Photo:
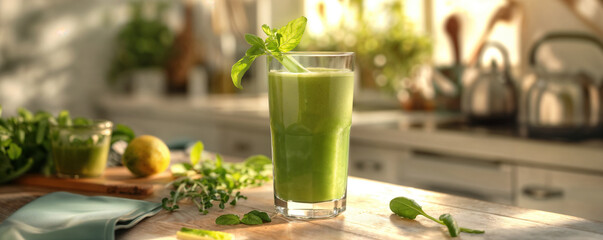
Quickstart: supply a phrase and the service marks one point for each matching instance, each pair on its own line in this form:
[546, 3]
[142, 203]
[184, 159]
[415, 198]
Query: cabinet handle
[542, 192]
[377, 166]
[241, 147]
[359, 165]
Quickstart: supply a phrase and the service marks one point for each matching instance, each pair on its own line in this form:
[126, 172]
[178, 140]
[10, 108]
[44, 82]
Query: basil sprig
[279, 41]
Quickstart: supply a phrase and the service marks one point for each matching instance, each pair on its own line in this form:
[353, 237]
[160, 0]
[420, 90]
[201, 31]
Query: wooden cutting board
[116, 180]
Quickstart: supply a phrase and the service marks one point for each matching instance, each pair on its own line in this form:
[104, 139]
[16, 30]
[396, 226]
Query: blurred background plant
[387, 45]
[144, 41]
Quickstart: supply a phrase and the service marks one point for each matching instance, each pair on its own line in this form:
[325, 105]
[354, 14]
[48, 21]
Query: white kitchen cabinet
[479, 179]
[244, 142]
[574, 193]
[374, 162]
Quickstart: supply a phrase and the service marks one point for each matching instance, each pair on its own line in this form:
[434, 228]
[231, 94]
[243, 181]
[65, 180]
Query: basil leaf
[452, 226]
[292, 34]
[228, 219]
[255, 51]
[196, 152]
[266, 30]
[405, 207]
[239, 69]
[251, 219]
[254, 40]
[262, 215]
[272, 44]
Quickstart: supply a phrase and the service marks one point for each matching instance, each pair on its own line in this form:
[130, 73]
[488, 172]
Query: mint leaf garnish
[251, 219]
[278, 42]
[228, 219]
[408, 208]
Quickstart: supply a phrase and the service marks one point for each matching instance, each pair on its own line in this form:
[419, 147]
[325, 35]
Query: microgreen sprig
[206, 182]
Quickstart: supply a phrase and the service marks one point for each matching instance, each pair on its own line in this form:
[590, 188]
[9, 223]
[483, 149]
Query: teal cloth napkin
[62, 215]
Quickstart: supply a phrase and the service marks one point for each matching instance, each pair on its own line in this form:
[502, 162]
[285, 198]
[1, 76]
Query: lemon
[146, 155]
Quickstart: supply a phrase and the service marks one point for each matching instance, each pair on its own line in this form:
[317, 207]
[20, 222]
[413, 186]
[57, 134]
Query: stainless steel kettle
[562, 104]
[491, 97]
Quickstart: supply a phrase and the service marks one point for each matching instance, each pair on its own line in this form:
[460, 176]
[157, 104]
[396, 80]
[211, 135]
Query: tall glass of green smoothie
[310, 119]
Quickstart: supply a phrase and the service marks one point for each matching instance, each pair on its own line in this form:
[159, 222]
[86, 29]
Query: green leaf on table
[468, 230]
[228, 219]
[292, 34]
[262, 215]
[196, 152]
[14, 151]
[251, 219]
[451, 224]
[406, 208]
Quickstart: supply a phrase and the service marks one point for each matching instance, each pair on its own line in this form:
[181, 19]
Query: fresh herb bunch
[408, 208]
[279, 41]
[25, 141]
[205, 181]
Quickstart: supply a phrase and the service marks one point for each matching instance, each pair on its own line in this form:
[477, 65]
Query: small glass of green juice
[310, 120]
[80, 150]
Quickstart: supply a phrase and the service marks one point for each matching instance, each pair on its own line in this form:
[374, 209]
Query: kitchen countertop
[367, 216]
[384, 128]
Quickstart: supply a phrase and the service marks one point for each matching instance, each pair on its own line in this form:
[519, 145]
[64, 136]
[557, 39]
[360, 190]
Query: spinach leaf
[408, 208]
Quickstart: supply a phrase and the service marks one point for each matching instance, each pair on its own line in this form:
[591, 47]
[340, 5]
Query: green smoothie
[81, 159]
[310, 119]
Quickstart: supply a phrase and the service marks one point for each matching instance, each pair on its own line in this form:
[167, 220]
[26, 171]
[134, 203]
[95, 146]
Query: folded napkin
[62, 215]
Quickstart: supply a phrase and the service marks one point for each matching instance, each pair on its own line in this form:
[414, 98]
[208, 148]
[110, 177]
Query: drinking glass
[81, 150]
[310, 119]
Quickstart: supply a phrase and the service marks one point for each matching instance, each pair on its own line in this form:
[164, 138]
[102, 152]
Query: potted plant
[386, 54]
[142, 47]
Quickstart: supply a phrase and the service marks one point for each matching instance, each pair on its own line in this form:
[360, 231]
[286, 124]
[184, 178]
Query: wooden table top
[367, 217]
